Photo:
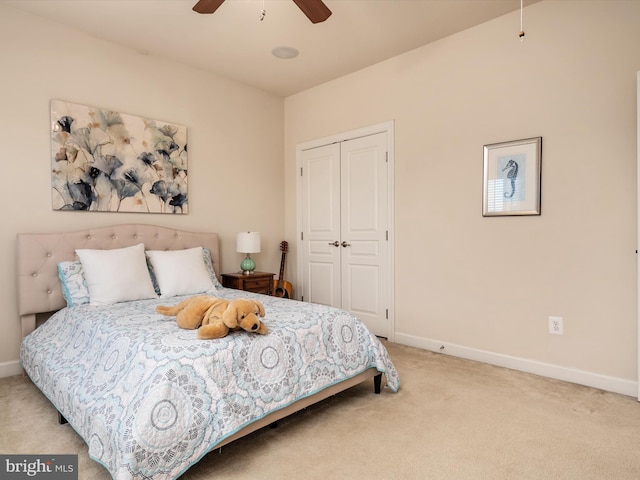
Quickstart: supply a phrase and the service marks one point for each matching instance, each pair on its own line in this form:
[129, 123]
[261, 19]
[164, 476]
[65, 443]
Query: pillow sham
[208, 262]
[74, 285]
[117, 275]
[206, 254]
[180, 272]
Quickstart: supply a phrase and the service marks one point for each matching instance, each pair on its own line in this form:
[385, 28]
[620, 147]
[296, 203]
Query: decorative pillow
[152, 274]
[117, 275]
[74, 286]
[206, 254]
[180, 272]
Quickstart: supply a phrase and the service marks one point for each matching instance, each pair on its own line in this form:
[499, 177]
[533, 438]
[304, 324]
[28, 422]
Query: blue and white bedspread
[151, 399]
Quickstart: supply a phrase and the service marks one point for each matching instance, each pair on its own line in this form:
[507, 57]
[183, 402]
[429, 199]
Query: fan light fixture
[315, 10]
[285, 53]
[248, 242]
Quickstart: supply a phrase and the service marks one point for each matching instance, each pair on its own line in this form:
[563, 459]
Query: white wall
[41, 61]
[484, 287]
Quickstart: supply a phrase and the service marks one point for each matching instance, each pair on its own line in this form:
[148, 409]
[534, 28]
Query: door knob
[345, 244]
[335, 244]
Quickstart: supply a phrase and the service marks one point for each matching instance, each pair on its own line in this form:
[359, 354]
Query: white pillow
[117, 275]
[180, 272]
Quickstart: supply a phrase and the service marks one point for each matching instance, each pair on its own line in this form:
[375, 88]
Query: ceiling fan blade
[315, 10]
[207, 6]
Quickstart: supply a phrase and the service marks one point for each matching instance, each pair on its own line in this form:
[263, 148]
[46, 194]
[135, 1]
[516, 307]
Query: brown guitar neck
[281, 275]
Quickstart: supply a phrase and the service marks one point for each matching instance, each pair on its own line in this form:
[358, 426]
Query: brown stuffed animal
[214, 317]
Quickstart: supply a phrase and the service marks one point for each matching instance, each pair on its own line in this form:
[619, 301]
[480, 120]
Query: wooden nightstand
[257, 282]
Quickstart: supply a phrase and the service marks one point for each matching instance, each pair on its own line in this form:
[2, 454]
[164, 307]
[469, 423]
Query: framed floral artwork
[106, 161]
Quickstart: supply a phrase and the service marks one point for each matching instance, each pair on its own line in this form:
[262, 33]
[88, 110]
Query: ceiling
[235, 43]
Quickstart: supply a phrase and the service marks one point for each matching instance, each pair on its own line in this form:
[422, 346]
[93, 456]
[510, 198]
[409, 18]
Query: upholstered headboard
[38, 254]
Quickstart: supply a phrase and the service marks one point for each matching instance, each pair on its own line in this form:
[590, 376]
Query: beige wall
[235, 143]
[484, 287]
[489, 283]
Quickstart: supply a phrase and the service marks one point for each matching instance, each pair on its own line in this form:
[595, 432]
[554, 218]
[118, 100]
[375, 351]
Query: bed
[149, 398]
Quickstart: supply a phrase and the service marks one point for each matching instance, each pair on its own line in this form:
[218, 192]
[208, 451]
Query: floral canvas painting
[106, 161]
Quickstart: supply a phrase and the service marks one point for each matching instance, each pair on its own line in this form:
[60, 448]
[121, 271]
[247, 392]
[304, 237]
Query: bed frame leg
[377, 381]
[61, 419]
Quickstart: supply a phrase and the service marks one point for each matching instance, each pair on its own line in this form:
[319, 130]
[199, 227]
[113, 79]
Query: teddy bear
[215, 317]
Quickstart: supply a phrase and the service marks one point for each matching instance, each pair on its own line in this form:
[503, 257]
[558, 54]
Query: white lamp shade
[248, 242]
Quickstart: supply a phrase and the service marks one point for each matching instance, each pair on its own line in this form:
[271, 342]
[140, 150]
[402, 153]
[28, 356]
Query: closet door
[321, 225]
[363, 238]
[345, 260]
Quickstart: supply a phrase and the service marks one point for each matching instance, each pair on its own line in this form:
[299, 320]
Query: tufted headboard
[38, 254]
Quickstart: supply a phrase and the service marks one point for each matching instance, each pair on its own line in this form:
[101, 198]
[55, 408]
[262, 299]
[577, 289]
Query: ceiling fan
[315, 10]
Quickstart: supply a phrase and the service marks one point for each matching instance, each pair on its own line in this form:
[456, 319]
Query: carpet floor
[452, 419]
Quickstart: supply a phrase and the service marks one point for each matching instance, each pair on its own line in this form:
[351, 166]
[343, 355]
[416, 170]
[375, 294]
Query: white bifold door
[345, 228]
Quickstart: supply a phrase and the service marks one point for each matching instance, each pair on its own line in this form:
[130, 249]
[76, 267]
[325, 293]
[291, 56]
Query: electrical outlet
[556, 326]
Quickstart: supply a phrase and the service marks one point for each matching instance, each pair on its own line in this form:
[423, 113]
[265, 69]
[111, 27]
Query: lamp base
[248, 265]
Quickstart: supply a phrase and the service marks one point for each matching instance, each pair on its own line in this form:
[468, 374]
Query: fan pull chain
[521, 34]
[263, 12]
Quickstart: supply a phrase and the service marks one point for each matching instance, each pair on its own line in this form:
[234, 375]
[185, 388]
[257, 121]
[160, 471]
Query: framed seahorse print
[512, 177]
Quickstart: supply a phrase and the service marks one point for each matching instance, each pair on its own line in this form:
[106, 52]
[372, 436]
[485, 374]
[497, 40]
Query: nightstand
[257, 282]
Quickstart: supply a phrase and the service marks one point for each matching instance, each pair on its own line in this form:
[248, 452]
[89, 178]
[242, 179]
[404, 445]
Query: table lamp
[248, 242]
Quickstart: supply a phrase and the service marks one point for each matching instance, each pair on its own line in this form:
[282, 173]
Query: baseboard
[9, 369]
[581, 377]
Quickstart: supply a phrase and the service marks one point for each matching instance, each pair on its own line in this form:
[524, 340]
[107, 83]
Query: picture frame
[512, 178]
[103, 160]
